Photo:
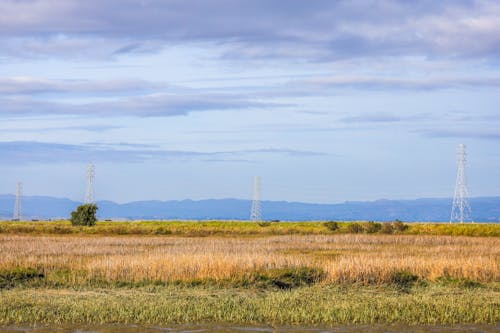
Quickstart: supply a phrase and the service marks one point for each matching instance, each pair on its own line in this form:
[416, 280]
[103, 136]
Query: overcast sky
[327, 101]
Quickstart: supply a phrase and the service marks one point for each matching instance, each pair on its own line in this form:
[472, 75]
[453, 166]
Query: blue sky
[327, 101]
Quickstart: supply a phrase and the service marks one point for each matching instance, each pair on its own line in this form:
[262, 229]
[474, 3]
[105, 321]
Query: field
[236, 272]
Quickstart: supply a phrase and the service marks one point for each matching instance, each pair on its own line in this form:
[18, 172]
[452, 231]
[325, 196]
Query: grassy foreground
[306, 306]
[157, 273]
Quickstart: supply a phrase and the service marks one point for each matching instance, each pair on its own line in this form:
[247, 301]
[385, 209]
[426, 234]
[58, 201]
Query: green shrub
[399, 226]
[354, 228]
[162, 231]
[84, 215]
[387, 228]
[332, 225]
[372, 227]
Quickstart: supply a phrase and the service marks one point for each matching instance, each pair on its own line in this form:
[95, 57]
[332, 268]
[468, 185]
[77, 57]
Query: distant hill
[485, 209]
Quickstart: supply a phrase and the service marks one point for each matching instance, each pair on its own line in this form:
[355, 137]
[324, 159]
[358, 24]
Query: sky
[326, 101]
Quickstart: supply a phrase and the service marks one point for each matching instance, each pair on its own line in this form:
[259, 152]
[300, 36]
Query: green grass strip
[307, 306]
[236, 228]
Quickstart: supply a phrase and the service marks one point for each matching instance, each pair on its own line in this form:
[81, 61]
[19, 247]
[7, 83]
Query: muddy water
[246, 329]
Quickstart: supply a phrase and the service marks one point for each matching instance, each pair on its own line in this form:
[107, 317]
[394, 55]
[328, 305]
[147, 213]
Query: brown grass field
[244, 273]
[343, 258]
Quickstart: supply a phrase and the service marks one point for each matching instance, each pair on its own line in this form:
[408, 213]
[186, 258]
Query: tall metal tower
[461, 209]
[89, 193]
[256, 213]
[18, 209]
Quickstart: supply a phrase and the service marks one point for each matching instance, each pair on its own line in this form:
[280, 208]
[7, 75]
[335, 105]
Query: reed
[329, 278]
[70, 260]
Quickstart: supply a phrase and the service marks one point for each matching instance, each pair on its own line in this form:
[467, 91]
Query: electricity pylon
[461, 210]
[89, 193]
[256, 213]
[18, 208]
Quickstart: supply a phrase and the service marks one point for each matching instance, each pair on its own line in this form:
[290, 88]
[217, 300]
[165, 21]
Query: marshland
[312, 274]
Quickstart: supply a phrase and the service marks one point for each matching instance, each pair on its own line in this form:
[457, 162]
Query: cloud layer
[319, 92]
[29, 152]
[298, 32]
[320, 30]
[150, 105]
[21, 96]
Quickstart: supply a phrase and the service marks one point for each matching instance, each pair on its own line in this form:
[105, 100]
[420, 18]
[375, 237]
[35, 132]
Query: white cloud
[25, 152]
[319, 30]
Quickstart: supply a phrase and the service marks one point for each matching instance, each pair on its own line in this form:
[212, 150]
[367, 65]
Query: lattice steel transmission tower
[89, 193]
[18, 208]
[461, 210]
[256, 213]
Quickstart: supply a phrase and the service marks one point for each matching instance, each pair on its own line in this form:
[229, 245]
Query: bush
[84, 215]
[354, 228]
[331, 225]
[387, 228]
[372, 227]
[162, 231]
[399, 226]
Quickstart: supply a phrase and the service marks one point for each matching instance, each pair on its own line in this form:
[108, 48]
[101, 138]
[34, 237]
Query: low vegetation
[239, 228]
[15, 277]
[365, 259]
[320, 273]
[304, 306]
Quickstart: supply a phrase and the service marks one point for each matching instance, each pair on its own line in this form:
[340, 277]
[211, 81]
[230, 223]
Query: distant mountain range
[486, 209]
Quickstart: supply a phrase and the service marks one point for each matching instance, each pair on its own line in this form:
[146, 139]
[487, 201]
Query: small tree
[332, 225]
[399, 226]
[372, 227]
[84, 215]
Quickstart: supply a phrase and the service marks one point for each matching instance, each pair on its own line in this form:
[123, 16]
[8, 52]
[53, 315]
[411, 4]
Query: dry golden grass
[347, 258]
